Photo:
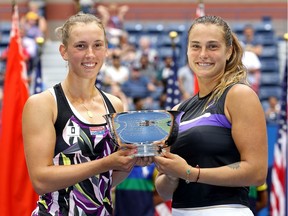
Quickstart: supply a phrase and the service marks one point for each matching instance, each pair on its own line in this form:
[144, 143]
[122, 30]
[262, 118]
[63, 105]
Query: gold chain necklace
[89, 113]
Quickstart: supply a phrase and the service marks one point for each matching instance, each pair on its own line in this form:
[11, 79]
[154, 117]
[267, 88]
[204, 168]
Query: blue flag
[38, 83]
[172, 89]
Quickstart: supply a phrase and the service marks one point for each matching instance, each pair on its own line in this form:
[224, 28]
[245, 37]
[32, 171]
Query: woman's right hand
[124, 158]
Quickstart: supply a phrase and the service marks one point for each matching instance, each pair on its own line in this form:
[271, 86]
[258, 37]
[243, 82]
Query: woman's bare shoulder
[116, 102]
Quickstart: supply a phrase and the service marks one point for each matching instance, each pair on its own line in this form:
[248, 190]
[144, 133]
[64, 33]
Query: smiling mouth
[204, 64]
[89, 65]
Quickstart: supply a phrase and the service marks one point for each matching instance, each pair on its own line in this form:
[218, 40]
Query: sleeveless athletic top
[78, 142]
[205, 139]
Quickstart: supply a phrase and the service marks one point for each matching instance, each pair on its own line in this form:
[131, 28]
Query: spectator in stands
[71, 159]
[30, 46]
[258, 198]
[116, 90]
[87, 6]
[185, 82]
[253, 65]
[30, 50]
[117, 72]
[250, 42]
[35, 17]
[145, 48]
[113, 17]
[273, 110]
[134, 196]
[29, 53]
[139, 103]
[147, 68]
[32, 25]
[139, 86]
[221, 148]
[128, 50]
[38, 6]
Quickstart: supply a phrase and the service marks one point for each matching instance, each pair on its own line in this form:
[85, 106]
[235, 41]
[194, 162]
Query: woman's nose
[203, 53]
[89, 51]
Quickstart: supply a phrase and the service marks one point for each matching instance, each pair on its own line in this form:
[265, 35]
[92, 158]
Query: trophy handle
[111, 126]
[176, 118]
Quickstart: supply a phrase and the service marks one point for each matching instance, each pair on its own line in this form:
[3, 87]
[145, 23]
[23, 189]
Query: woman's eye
[80, 46]
[212, 46]
[98, 45]
[195, 46]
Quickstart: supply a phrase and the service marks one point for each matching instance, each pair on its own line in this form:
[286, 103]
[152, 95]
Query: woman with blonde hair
[222, 140]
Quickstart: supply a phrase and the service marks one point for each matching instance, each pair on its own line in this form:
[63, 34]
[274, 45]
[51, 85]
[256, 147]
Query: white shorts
[219, 210]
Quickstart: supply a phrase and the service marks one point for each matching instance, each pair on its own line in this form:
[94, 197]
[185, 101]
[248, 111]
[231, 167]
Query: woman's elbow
[39, 187]
[261, 176]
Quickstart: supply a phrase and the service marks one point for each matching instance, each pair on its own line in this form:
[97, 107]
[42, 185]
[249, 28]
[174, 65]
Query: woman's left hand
[170, 164]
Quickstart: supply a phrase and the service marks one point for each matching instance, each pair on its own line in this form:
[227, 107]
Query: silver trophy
[149, 130]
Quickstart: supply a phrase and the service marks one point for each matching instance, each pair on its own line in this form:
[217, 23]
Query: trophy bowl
[149, 130]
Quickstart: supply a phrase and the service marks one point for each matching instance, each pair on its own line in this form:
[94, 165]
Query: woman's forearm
[166, 185]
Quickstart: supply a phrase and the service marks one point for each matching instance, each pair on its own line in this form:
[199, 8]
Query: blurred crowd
[137, 74]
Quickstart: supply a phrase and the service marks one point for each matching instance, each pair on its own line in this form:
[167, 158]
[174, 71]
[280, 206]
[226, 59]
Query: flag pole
[13, 6]
[173, 35]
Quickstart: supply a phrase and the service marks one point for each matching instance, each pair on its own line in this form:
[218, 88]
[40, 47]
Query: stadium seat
[165, 40]
[154, 28]
[240, 36]
[4, 40]
[266, 91]
[167, 51]
[180, 28]
[133, 39]
[263, 27]
[132, 27]
[270, 65]
[5, 27]
[266, 38]
[265, 104]
[270, 79]
[238, 28]
[269, 51]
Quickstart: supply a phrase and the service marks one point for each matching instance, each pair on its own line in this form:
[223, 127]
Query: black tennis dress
[79, 142]
[205, 139]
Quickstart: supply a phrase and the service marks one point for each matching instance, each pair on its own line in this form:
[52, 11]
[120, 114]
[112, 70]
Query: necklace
[89, 113]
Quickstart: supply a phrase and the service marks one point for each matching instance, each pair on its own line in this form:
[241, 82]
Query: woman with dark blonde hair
[221, 148]
[71, 158]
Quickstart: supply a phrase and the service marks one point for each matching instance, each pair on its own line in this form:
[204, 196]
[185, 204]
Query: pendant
[90, 114]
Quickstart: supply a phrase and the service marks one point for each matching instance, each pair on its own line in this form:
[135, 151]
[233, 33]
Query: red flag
[200, 11]
[17, 196]
[278, 195]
